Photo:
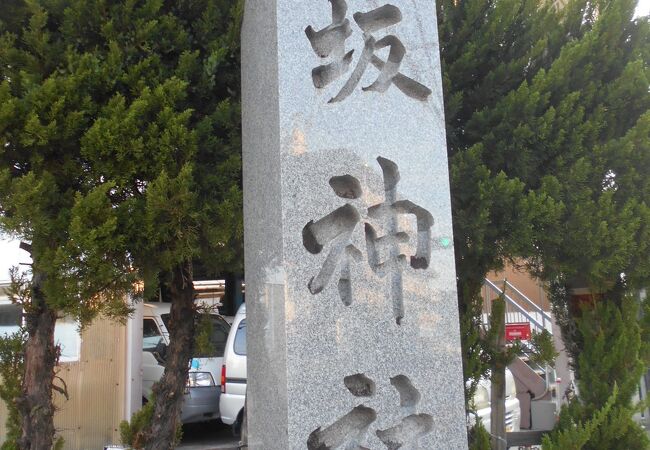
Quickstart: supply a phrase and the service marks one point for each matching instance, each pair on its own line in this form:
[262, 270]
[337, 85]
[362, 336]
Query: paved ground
[208, 436]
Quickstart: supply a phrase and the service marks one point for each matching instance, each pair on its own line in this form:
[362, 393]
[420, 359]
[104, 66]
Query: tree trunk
[498, 408]
[470, 304]
[498, 378]
[232, 298]
[35, 403]
[168, 392]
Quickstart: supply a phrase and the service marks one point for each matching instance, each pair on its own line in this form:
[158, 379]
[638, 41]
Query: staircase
[534, 383]
[519, 308]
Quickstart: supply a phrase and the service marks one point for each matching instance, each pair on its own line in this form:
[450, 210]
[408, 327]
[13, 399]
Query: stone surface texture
[352, 343]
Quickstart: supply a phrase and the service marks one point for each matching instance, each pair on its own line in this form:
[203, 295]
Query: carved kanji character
[330, 43]
[388, 212]
[384, 256]
[350, 431]
[335, 230]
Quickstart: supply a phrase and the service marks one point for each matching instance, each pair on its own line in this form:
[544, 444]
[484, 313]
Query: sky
[11, 255]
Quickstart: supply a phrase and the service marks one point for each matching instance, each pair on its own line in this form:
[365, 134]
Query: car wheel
[236, 426]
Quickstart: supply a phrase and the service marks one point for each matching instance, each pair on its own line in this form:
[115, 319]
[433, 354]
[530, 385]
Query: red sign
[518, 331]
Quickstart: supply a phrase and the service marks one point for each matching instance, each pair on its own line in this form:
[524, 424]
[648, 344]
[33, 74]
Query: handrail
[519, 309]
[529, 301]
[535, 307]
[526, 299]
[516, 305]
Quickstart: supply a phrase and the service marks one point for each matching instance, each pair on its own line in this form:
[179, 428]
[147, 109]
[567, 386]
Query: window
[166, 319]
[217, 338]
[66, 331]
[10, 318]
[240, 339]
[151, 336]
[219, 330]
[66, 334]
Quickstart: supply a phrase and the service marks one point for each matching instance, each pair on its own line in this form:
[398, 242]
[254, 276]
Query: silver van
[201, 397]
[233, 373]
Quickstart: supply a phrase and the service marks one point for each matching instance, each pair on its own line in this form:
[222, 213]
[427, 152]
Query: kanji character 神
[336, 228]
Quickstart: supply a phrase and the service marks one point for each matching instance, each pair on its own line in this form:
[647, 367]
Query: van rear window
[218, 330]
[240, 339]
[218, 334]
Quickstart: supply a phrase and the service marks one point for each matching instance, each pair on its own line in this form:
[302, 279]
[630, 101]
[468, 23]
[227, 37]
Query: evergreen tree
[549, 140]
[575, 436]
[613, 354]
[46, 102]
[120, 150]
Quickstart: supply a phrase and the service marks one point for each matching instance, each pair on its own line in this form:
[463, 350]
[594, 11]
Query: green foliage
[119, 142]
[572, 435]
[542, 349]
[560, 300]
[131, 431]
[11, 369]
[612, 354]
[59, 444]
[475, 358]
[548, 140]
[479, 437]
[499, 354]
[202, 333]
[49, 96]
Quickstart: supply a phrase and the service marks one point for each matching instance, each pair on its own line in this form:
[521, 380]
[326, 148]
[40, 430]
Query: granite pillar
[353, 335]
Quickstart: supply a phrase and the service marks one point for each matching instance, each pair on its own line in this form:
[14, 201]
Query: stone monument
[353, 334]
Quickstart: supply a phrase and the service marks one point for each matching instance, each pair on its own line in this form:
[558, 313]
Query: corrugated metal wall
[90, 419]
[96, 386]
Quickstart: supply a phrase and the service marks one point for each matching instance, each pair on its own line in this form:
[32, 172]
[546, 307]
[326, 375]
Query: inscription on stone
[350, 430]
[350, 273]
[336, 228]
[329, 43]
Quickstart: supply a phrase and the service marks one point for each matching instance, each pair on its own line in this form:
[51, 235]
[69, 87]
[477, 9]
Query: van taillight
[223, 379]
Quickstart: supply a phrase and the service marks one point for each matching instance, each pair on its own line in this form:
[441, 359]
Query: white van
[483, 409]
[233, 373]
[201, 399]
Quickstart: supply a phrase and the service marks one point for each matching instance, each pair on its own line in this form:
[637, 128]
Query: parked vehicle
[483, 409]
[233, 373]
[201, 397]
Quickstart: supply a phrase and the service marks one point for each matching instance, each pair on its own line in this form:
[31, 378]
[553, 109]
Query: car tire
[236, 426]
